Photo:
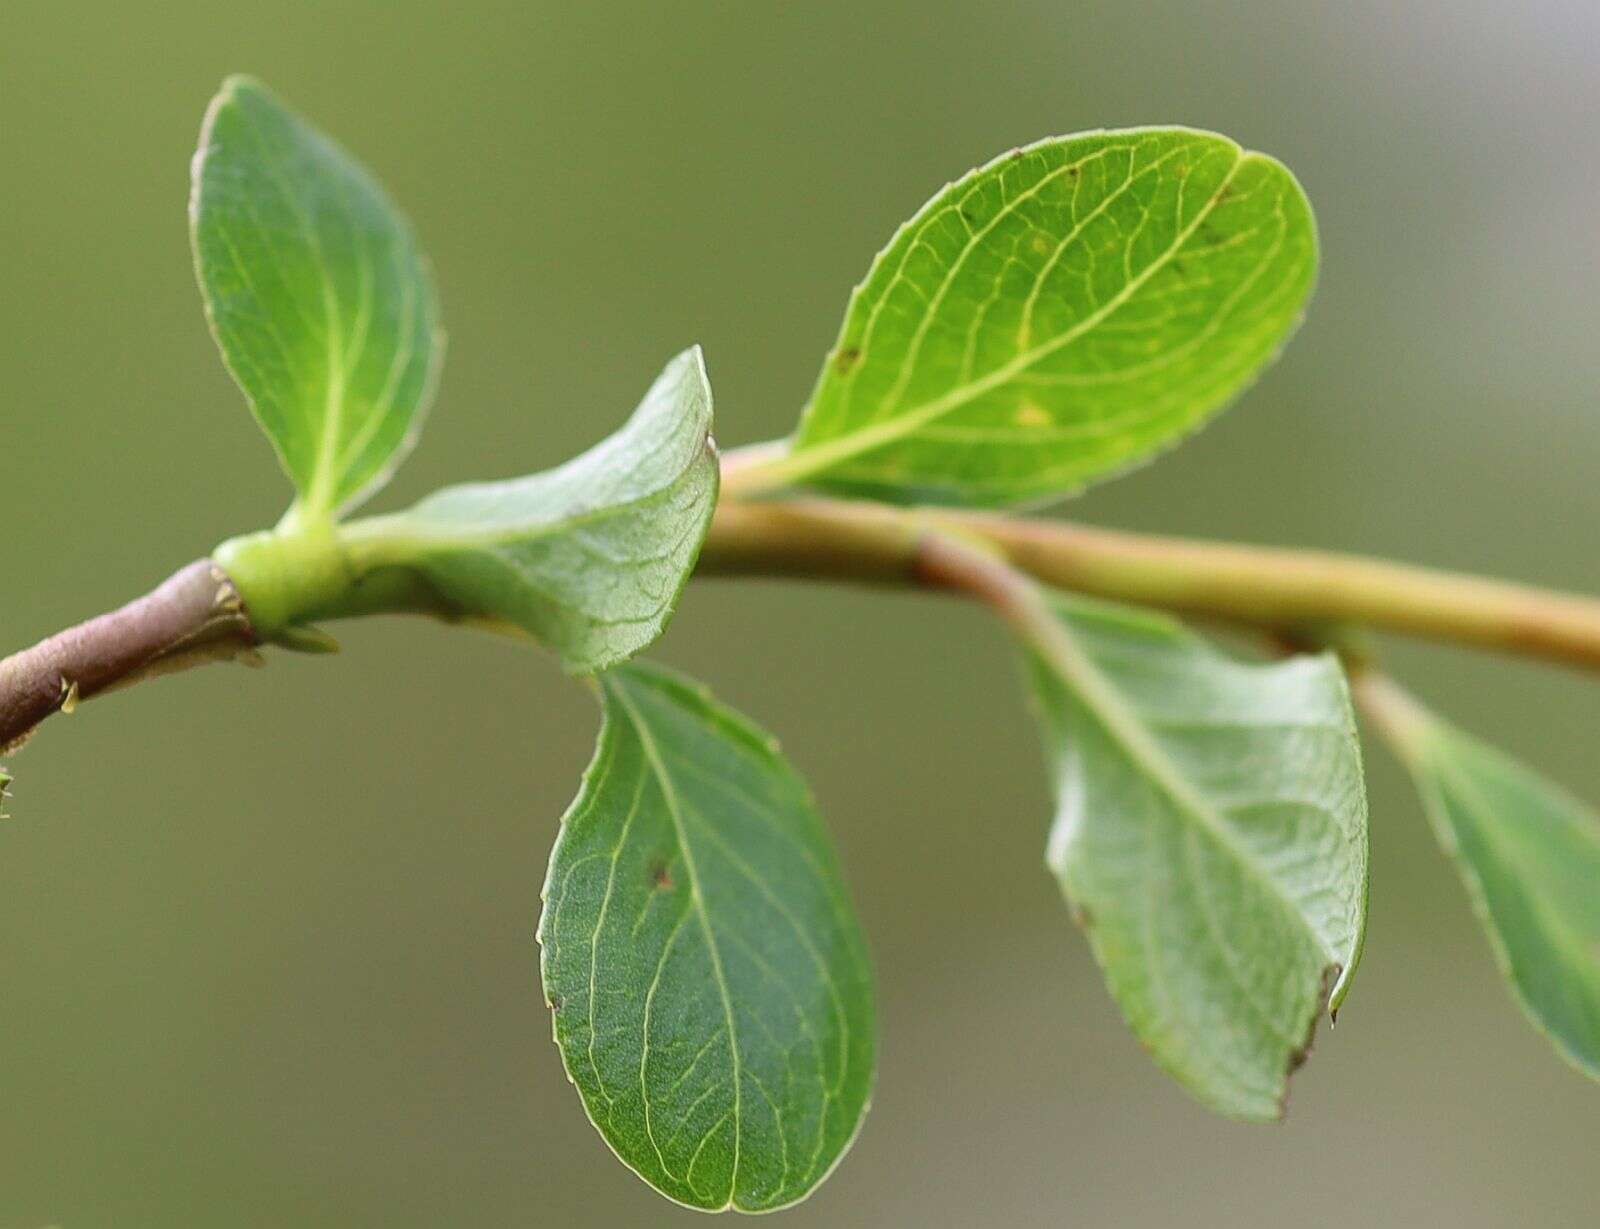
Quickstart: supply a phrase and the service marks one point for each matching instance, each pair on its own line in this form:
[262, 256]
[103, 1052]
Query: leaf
[1058, 316]
[589, 558]
[1211, 838]
[318, 297]
[1529, 854]
[712, 996]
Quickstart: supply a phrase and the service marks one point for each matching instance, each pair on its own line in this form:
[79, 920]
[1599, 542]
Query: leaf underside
[317, 294]
[1529, 854]
[712, 997]
[591, 557]
[1057, 316]
[1211, 838]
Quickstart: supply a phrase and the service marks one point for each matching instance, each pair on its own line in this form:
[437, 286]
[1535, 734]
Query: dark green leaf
[591, 557]
[319, 299]
[712, 997]
[1211, 838]
[1058, 316]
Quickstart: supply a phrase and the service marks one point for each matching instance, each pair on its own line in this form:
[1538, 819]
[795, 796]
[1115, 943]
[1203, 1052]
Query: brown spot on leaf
[555, 1002]
[660, 876]
[846, 359]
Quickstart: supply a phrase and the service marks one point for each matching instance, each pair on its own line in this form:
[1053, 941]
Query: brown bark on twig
[195, 616]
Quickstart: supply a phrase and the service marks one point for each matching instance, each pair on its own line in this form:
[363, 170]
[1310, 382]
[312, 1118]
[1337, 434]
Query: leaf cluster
[1067, 311]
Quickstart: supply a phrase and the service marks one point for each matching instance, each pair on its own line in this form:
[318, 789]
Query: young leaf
[319, 299]
[1058, 316]
[589, 558]
[1211, 838]
[712, 996]
[1529, 854]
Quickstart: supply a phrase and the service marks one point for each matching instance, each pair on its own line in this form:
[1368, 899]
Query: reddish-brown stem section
[945, 561]
[194, 615]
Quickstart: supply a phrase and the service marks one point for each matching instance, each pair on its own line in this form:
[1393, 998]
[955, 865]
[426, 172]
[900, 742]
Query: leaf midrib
[377, 542]
[320, 497]
[697, 903]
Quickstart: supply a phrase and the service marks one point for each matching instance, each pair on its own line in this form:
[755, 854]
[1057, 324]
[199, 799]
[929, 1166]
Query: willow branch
[1275, 590]
[197, 616]
[193, 617]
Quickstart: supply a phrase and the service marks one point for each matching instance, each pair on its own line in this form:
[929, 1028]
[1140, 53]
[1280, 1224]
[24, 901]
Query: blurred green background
[266, 939]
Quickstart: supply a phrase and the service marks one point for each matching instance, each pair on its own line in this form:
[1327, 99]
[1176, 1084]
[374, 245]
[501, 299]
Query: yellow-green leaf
[1057, 316]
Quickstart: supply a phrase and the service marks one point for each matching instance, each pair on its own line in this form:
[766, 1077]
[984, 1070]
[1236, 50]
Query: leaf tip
[234, 87]
[694, 360]
[237, 83]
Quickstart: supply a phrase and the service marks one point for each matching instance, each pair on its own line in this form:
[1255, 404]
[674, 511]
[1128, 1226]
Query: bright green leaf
[589, 558]
[319, 299]
[1211, 838]
[1058, 316]
[1529, 854]
[712, 996]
